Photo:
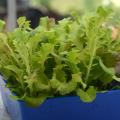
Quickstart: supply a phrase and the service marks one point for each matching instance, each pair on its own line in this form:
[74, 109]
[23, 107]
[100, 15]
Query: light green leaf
[44, 22]
[116, 78]
[61, 77]
[13, 97]
[77, 77]
[105, 12]
[87, 96]
[110, 71]
[45, 50]
[54, 82]
[21, 21]
[73, 56]
[35, 101]
[67, 87]
[2, 24]
[14, 69]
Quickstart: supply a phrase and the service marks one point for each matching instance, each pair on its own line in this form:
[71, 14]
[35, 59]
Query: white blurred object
[3, 113]
[106, 2]
[12, 15]
[116, 2]
[1, 102]
[2, 109]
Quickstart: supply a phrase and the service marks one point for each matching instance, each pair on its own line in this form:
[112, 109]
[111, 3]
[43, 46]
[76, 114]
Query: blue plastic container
[105, 107]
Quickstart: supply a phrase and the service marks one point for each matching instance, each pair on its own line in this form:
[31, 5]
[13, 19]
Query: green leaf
[21, 21]
[14, 69]
[71, 85]
[35, 101]
[67, 88]
[109, 59]
[54, 82]
[45, 50]
[105, 78]
[116, 78]
[87, 96]
[35, 84]
[61, 77]
[2, 24]
[109, 71]
[13, 97]
[23, 53]
[73, 56]
[77, 77]
[44, 22]
[102, 11]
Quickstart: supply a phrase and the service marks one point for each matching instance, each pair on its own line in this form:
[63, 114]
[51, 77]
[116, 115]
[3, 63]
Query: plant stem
[92, 55]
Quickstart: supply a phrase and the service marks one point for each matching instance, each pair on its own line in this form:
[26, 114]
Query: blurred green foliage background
[66, 6]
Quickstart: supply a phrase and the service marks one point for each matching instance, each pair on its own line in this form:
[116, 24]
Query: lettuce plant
[76, 56]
